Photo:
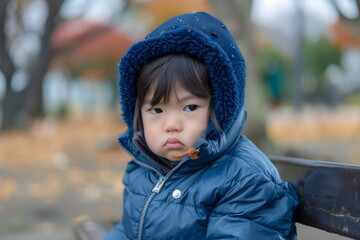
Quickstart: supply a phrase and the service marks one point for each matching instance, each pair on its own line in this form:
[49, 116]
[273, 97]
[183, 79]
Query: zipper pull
[159, 185]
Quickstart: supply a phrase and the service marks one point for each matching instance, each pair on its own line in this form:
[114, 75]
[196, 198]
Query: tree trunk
[7, 67]
[20, 107]
[34, 104]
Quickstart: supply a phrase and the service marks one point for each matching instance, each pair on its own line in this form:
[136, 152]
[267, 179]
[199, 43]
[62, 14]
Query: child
[193, 174]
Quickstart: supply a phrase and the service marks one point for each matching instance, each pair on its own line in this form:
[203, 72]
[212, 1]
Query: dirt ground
[59, 170]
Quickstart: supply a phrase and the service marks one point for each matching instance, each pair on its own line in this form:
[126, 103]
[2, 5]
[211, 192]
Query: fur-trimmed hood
[201, 35]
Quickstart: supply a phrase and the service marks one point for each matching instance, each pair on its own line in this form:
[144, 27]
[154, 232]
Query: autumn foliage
[162, 10]
[89, 49]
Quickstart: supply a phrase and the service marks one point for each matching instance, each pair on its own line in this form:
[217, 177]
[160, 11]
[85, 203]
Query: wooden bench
[329, 196]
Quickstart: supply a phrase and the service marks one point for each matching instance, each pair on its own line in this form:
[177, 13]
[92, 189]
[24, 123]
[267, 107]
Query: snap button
[176, 193]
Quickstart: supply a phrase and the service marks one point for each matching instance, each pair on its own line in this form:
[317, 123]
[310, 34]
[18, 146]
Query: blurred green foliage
[353, 99]
[318, 56]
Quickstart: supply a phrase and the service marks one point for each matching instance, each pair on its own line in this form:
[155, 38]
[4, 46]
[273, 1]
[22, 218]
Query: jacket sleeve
[254, 208]
[117, 232]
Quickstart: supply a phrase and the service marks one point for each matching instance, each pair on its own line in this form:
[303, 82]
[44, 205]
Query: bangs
[165, 73]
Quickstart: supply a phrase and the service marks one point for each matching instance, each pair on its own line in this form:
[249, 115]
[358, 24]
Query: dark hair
[164, 73]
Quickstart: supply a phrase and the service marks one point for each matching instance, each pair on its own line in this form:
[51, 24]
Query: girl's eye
[155, 110]
[190, 108]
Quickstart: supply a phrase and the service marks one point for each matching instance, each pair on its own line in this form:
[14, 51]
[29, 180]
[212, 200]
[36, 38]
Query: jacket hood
[201, 35]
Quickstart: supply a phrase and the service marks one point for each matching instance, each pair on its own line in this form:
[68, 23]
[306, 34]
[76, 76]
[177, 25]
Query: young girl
[194, 175]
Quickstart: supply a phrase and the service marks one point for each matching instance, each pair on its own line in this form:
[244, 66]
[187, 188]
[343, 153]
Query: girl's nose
[173, 124]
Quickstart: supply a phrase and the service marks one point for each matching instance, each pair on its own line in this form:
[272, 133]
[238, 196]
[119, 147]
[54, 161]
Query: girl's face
[172, 128]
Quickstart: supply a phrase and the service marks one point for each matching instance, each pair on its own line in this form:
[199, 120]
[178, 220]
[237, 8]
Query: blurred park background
[59, 112]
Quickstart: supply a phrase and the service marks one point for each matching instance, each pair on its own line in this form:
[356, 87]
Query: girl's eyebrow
[186, 97]
[147, 101]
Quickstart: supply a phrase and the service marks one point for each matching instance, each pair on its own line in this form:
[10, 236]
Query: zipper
[143, 213]
[159, 185]
[157, 188]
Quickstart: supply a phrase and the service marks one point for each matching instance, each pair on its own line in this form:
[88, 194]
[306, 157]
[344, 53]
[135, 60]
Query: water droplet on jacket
[222, 25]
[214, 34]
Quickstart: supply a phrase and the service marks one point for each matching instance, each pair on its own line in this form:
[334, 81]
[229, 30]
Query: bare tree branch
[353, 23]
[19, 107]
[7, 67]
[6, 63]
[34, 104]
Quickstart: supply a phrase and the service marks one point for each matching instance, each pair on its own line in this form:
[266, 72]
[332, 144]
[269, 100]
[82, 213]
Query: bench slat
[329, 193]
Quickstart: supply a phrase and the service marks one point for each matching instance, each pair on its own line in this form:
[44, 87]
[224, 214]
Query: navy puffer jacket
[232, 191]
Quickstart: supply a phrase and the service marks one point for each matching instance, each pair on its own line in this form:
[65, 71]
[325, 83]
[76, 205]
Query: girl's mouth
[173, 143]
